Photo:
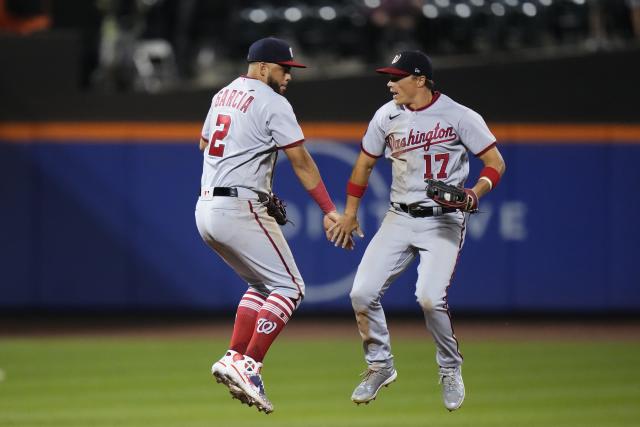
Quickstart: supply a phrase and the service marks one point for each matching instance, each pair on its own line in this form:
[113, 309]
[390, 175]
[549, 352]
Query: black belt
[225, 191]
[233, 192]
[421, 211]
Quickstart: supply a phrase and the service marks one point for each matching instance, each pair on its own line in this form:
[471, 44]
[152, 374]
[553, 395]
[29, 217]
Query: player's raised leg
[277, 269]
[386, 256]
[435, 273]
[271, 320]
[218, 229]
[244, 324]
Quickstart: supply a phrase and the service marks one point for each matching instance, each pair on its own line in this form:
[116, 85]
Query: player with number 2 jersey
[248, 124]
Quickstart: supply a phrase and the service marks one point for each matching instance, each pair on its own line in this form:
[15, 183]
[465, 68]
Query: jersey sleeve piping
[368, 153]
[293, 144]
[204, 139]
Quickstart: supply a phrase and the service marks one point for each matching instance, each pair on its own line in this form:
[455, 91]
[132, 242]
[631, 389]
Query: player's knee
[428, 303]
[296, 293]
[361, 300]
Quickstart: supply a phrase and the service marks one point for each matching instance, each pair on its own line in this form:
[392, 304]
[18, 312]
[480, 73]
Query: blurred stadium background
[101, 105]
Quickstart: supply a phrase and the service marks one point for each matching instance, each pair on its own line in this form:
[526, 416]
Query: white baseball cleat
[245, 374]
[452, 387]
[373, 380]
[219, 371]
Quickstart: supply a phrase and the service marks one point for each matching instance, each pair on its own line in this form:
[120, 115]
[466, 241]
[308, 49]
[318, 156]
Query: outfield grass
[166, 383]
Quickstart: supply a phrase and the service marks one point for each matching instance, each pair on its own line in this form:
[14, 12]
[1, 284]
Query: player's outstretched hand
[341, 233]
[329, 221]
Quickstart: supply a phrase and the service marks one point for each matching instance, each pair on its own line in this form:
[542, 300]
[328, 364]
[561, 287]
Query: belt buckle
[414, 211]
[419, 211]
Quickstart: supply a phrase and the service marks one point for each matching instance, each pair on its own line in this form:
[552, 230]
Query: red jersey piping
[435, 97]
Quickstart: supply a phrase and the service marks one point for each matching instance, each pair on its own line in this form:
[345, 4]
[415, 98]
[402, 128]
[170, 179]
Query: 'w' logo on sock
[265, 326]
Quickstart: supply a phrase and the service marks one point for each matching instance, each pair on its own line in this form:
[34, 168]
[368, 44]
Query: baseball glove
[451, 196]
[276, 208]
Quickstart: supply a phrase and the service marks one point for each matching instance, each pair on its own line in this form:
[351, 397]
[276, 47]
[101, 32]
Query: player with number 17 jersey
[242, 149]
[430, 142]
[426, 136]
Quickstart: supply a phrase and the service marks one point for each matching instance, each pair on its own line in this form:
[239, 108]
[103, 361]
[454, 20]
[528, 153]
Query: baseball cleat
[452, 387]
[219, 371]
[244, 373]
[372, 382]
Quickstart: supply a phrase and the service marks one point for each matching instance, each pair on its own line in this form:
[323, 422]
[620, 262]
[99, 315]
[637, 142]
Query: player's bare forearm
[304, 166]
[493, 159]
[341, 232]
[203, 144]
[352, 206]
[359, 176]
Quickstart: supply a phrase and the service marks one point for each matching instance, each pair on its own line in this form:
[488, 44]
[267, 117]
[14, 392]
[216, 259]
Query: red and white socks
[246, 315]
[271, 320]
[259, 321]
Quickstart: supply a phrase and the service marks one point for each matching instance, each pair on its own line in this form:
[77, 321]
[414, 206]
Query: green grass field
[165, 382]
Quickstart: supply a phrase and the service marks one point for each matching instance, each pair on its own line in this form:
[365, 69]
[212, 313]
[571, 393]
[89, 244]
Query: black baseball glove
[451, 196]
[276, 208]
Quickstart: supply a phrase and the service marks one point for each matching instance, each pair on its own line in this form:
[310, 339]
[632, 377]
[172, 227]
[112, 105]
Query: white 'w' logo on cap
[395, 59]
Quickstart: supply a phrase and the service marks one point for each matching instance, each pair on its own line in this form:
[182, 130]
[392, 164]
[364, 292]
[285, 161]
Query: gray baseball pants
[437, 242]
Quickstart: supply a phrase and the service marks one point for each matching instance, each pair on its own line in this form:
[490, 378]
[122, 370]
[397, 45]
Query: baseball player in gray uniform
[248, 124]
[425, 135]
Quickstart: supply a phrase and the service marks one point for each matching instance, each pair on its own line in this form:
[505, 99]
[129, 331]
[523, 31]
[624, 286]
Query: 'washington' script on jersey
[234, 99]
[436, 135]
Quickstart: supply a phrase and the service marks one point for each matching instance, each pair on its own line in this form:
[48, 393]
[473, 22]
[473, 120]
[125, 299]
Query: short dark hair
[430, 84]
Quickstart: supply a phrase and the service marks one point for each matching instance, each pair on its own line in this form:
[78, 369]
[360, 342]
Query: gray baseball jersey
[247, 124]
[428, 143]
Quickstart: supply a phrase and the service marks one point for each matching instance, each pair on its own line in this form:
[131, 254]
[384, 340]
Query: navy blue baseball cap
[409, 62]
[272, 50]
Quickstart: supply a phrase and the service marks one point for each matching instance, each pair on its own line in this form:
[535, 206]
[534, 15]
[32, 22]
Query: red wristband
[491, 175]
[355, 190]
[320, 195]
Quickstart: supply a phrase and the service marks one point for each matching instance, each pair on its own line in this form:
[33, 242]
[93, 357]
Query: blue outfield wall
[111, 226]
